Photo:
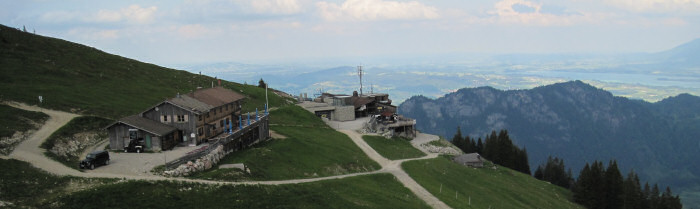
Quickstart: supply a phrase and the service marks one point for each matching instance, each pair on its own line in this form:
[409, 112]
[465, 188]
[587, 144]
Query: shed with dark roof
[471, 159]
[157, 136]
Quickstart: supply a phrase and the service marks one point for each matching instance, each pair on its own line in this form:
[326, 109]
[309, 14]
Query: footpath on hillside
[29, 151]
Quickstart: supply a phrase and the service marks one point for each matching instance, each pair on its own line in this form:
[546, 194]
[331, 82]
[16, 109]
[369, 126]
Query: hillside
[77, 78]
[579, 123]
[72, 77]
[463, 187]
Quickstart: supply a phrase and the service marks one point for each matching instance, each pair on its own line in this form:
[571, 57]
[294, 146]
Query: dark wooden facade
[120, 136]
[204, 114]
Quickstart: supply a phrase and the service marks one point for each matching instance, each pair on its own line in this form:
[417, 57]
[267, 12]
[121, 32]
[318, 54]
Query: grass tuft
[393, 149]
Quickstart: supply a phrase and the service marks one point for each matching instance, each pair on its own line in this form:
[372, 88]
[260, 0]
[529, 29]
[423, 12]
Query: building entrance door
[148, 141]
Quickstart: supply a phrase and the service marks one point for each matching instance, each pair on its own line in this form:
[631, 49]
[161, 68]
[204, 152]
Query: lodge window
[200, 131]
[164, 118]
[200, 118]
[181, 118]
[221, 123]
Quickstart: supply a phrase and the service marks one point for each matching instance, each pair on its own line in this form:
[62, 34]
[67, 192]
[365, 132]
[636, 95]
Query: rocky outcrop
[200, 164]
[441, 150]
[73, 147]
[7, 144]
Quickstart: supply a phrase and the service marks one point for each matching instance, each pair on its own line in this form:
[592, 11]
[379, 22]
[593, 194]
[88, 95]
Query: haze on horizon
[172, 33]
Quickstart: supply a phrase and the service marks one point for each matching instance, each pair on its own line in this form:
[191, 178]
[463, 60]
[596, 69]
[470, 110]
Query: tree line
[596, 186]
[498, 148]
[600, 187]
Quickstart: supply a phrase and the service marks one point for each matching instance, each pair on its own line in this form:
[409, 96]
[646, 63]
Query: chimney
[354, 93]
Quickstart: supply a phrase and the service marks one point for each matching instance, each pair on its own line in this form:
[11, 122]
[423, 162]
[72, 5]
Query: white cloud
[108, 16]
[58, 16]
[505, 12]
[192, 31]
[367, 10]
[94, 34]
[131, 14]
[276, 6]
[658, 6]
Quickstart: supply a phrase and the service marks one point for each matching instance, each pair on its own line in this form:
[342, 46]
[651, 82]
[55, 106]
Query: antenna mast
[359, 73]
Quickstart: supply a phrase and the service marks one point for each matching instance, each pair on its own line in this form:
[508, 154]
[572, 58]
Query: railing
[217, 141]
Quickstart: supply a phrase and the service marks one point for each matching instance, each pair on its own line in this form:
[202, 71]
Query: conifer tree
[468, 148]
[632, 192]
[457, 139]
[613, 186]
[582, 188]
[262, 83]
[524, 163]
[646, 196]
[480, 146]
[654, 200]
[539, 174]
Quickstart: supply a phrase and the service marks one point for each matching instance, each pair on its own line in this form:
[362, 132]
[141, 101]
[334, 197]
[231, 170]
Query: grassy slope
[394, 148]
[501, 188]
[16, 120]
[311, 149]
[73, 77]
[25, 186]
[13, 119]
[374, 191]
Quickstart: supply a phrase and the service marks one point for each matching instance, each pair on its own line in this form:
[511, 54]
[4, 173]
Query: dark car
[135, 145]
[95, 159]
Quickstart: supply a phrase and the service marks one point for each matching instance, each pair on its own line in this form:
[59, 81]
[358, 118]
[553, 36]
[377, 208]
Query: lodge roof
[203, 100]
[145, 124]
[216, 96]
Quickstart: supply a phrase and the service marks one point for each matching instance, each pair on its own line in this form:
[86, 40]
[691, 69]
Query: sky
[257, 31]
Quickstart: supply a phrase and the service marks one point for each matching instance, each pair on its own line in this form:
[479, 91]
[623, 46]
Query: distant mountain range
[579, 123]
[648, 76]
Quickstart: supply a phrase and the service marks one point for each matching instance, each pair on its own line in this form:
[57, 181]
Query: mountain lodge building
[185, 119]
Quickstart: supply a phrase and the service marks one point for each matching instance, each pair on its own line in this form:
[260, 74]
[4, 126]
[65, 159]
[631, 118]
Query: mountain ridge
[577, 122]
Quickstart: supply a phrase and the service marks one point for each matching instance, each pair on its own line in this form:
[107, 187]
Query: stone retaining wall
[200, 164]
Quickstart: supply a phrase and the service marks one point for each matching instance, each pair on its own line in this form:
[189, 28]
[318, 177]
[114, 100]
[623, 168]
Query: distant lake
[630, 78]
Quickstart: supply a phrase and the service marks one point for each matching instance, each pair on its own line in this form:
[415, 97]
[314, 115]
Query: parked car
[134, 146]
[95, 159]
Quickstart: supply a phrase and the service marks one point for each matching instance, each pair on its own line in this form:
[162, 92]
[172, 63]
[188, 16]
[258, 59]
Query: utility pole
[359, 73]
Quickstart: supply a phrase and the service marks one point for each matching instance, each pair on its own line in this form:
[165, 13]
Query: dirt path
[29, 150]
[394, 167]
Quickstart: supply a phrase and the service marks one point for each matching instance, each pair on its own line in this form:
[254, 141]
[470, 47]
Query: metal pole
[266, 101]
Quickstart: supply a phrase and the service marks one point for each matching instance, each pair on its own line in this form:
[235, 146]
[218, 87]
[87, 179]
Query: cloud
[132, 14]
[530, 13]
[276, 6]
[192, 31]
[658, 6]
[94, 34]
[368, 10]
